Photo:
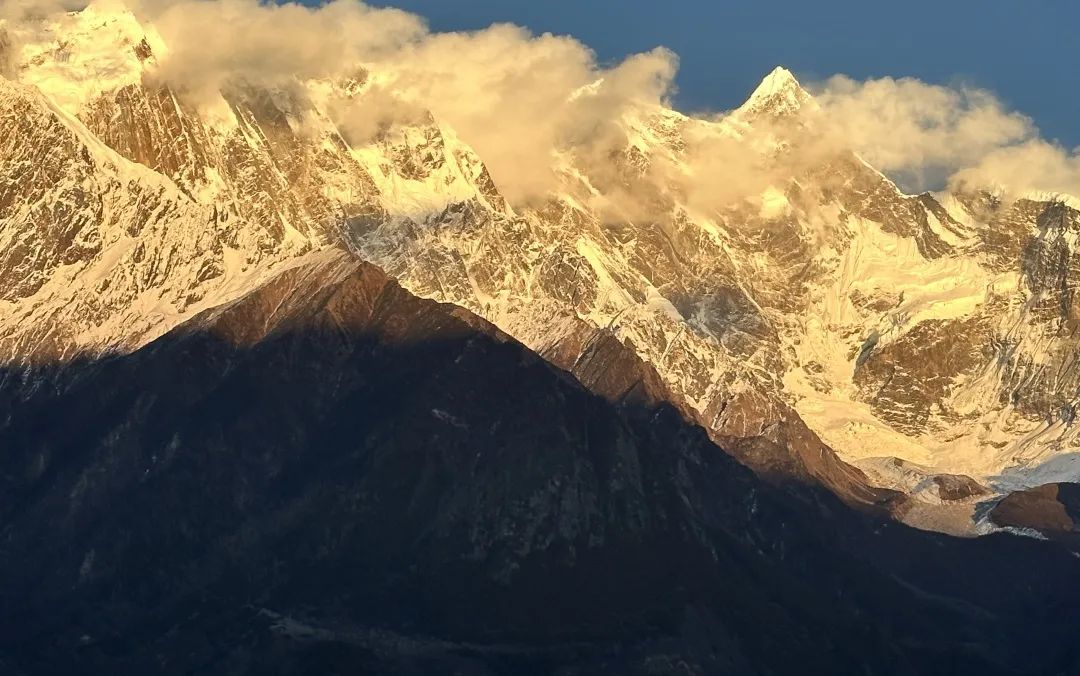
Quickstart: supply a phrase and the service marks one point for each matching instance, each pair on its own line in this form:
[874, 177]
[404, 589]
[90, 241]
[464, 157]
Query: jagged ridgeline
[826, 326]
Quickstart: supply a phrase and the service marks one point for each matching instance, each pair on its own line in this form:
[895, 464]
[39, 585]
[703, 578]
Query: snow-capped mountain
[937, 329]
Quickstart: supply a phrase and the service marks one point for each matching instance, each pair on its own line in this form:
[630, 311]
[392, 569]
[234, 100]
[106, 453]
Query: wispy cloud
[930, 135]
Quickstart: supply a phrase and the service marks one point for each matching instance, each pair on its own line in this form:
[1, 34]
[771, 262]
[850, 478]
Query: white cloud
[929, 135]
[1034, 166]
[22, 10]
[508, 93]
[517, 98]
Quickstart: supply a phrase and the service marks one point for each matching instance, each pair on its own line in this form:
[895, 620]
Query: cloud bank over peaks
[513, 96]
[522, 100]
[930, 136]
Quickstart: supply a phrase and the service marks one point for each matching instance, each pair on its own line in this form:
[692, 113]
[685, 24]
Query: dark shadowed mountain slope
[333, 476]
[785, 452]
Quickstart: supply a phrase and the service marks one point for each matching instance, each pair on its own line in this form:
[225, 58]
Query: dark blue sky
[1027, 51]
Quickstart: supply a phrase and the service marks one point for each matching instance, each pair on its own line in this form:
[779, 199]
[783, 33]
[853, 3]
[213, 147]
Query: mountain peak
[778, 94]
[779, 80]
[76, 56]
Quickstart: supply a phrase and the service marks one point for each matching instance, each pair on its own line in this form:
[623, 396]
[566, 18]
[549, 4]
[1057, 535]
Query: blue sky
[1026, 51]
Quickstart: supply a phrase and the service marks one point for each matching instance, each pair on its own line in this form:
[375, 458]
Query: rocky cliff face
[827, 311]
[1051, 509]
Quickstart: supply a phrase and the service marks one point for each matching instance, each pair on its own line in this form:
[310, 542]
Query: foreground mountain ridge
[936, 329]
[392, 485]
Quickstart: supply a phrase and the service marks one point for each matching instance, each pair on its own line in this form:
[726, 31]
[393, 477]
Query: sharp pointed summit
[778, 94]
[778, 79]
